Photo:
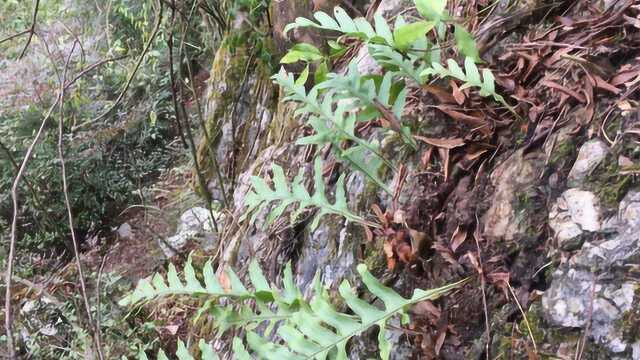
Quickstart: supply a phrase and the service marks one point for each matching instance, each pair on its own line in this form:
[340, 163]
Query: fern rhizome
[273, 323]
[280, 324]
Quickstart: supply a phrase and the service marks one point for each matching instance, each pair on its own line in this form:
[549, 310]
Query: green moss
[607, 182]
[374, 258]
[534, 317]
[563, 153]
[233, 80]
[630, 321]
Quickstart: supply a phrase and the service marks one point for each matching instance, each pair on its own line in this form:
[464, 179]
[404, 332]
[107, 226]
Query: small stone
[590, 156]
[573, 213]
[567, 232]
[624, 162]
[125, 231]
[629, 212]
[49, 330]
[194, 222]
[28, 306]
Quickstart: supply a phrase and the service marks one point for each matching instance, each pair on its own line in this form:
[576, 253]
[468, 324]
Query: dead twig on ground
[483, 286]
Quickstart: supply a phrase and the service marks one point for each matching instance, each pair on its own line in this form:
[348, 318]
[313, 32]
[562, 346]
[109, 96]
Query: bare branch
[15, 197]
[187, 126]
[98, 336]
[32, 29]
[172, 76]
[14, 223]
[67, 202]
[133, 73]
[14, 36]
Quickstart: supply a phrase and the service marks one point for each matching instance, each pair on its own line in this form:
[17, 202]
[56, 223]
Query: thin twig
[98, 336]
[32, 29]
[15, 165]
[524, 316]
[582, 342]
[14, 36]
[172, 76]
[14, 222]
[15, 198]
[207, 138]
[483, 285]
[67, 202]
[133, 73]
[187, 126]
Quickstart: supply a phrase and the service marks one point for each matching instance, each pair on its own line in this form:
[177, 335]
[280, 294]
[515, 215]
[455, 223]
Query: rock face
[591, 154]
[513, 181]
[591, 289]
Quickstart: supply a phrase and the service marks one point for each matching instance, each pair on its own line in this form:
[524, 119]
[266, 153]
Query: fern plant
[385, 100]
[262, 196]
[296, 329]
[402, 47]
[333, 124]
[470, 78]
[400, 38]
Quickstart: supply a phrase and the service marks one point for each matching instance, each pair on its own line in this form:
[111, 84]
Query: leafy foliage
[333, 126]
[262, 195]
[372, 98]
[302, 52]
[337, 102]
[471, 78]
[432, 9]
[401, 37]
[295, 328]
[411, 64]
[466, 44]
[183, 354]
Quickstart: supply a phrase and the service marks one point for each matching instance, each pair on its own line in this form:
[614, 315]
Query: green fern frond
[172, 285]
[313, 329]
[411, 64]
[363, 92]
[262, 196]
[470, 77]
[322, 331]
[333, 124]
[401, 38]
[206, 352]
[343, 23]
